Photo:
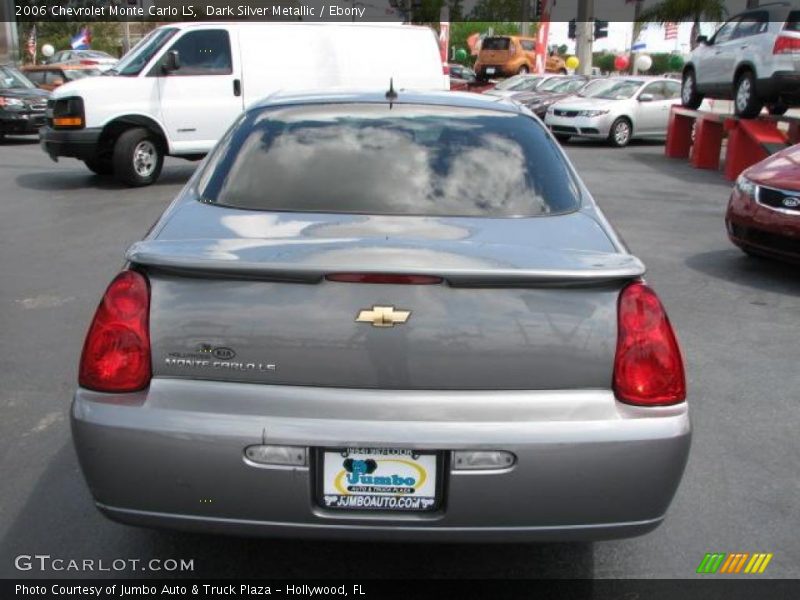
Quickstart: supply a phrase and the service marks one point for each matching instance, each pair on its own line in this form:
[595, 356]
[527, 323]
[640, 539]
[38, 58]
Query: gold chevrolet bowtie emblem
[383, 316]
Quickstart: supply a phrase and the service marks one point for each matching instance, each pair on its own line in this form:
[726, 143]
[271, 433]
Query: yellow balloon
[572, 62]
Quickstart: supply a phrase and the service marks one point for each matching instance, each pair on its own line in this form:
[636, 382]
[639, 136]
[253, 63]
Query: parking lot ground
[63, 232]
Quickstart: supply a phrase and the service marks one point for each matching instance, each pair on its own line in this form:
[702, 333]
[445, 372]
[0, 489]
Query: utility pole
[525, 25]
[584, 34]
[637, 29]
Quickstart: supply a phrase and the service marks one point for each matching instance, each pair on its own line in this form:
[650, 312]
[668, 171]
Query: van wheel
[523, 70]
[620, 133]
[745, 101]
[100, 166]
[138, 157]
[689, 96]
[563, 71]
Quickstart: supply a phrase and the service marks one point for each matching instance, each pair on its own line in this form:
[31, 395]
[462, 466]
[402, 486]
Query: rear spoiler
[460, 263]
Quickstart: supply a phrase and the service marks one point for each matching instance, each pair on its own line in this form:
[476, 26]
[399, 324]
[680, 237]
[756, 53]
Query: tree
[675, 11]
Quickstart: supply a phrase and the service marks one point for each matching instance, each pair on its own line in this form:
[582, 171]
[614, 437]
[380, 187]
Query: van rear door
[200, 99]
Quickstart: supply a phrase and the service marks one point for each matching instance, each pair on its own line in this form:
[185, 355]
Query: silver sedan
[383, 316]
[619, 111]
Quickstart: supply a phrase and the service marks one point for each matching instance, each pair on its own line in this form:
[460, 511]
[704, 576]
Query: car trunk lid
[535, 312]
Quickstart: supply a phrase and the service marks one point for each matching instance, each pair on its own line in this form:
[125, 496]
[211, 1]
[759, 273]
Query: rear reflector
[786, 45]
[648, 368]
[282, 456]
[384, 278]
[116, 353]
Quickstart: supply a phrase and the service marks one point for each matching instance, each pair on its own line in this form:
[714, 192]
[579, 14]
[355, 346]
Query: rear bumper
[783, 84]
[75, 143]
[587, 467]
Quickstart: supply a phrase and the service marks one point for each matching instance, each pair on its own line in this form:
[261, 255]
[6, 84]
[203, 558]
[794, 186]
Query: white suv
[753, 59]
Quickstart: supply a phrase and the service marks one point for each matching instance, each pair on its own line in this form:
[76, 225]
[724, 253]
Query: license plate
[490, 70]
[379, 479]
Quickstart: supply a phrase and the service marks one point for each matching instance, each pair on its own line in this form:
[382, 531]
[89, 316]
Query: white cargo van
[182, 86]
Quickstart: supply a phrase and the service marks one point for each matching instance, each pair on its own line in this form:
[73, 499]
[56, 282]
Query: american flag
[670, 31]
[32, 44]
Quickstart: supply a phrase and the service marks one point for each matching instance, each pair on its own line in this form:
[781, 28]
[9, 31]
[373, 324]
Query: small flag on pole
[670, 31]
[32, 44]
[83, 40]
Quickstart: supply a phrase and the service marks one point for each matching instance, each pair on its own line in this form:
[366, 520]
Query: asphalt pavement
[63, 232]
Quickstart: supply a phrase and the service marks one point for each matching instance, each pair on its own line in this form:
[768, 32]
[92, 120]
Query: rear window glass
[495, 43]
[793, 22]
[404, 160]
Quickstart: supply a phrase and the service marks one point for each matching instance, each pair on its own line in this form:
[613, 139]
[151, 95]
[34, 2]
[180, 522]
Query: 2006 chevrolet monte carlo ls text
[387, 315]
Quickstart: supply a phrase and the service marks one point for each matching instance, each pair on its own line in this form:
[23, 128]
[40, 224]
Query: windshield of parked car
[616, 90]
[550, 84]
[73, 74]
[495, 43]
[134, 61]
[11, 79]
[524, 84]
[93, 54]
[381, 160]
[591, 87]
[562, 86]
[793, 21]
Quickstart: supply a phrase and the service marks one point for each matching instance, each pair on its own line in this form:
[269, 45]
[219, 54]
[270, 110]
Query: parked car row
[22, 104]
[617, 109]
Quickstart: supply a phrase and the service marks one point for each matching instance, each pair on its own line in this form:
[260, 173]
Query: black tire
[99, 166]
[563, 72]
[690, 98]
[138, 157]
[746, 103]
[523, 70]
[615, 135]
[777, 108]
[562, 137]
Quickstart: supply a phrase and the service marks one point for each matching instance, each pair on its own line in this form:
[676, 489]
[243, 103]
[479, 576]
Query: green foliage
[105, 36]
[498, 10]
[663, 62]
[673, 11]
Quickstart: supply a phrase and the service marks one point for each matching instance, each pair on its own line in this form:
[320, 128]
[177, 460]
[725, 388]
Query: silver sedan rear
[378, 317]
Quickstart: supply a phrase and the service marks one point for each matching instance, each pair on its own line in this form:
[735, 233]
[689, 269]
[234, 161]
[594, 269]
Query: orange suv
[507, 55]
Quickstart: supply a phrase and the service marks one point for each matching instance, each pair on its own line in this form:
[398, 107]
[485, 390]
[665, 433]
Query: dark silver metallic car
[387, 317]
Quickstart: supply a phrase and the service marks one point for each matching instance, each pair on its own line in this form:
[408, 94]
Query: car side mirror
[173, 62]
[703, 39]
[646, 98]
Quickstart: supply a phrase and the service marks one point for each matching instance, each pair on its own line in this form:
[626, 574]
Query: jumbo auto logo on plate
[379, 479]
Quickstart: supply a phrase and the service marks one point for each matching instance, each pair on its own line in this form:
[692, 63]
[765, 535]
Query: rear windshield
[495, 43]
[793, 22]
[404, 160]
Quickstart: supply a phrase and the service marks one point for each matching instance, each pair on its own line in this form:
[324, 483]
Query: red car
[763, 215]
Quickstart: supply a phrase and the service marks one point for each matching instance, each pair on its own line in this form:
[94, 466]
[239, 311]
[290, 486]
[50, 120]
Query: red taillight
[446, 69]
[89, 62]
[116, 353]
[648, 368]
[384, 278]
[785, 44]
